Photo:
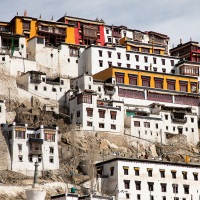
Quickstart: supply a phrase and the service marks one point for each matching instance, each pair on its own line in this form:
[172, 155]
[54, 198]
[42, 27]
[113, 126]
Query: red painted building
[189, 51]
[86, 31]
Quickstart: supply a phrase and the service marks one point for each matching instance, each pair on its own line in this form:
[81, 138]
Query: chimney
[180, 41]
[25, 13]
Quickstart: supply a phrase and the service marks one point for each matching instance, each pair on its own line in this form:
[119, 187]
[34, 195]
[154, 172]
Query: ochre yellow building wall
[70, 35]
[33, 30]
[105, 74]
[111, 72]
[18, 26]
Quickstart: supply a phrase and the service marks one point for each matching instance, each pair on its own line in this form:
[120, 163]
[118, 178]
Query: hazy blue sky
[178, 18]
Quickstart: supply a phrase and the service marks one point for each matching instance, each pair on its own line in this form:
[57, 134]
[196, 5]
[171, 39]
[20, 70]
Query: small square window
[3, 58]
[51, 150]
[128, 65]
[119, 64]
[156, 126]
[30, 158]
[137, 172]
[137, 67]
[20, 158]
[62, 82]
[101, 125]
[192, 129]
[192, 120]
[145, 59]
[119, 55]
[173, 174]
[162, 174]
[163, 70]
[146, 67]
[166, 127]
[113, 126]
[109, 64]
[138, 197]
[36, 87]
[150, 173]
[89, 123]
[43, 79]
[100, 53]
[174, 128]
[100, 63]
[54, 89]
[45, 88]
[76, 61]
[127, 56]
[166, 117]
[39, 159]
[125, 170]
[127, 196]
[51, 160]
[186, 128]
[68, 59]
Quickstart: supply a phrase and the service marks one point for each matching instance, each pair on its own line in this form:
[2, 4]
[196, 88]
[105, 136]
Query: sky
[179, 19]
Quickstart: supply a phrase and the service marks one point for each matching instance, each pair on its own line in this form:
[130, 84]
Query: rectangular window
[195, 174]
[145, 59]
[126, 184]
[137, 171]
[51, 150]
[150, 172]
[156, 126]
[49, 137]
[74, 52]
[113, 126]
[163, 187]
[175, 188]
[154, 61]
[137, 67]
[109, 64]
[132, 79]
[78, 113]
[162, 173]
[20, 158]
[101, 125]
[127, 196]
[26, 25]
[51, 160]
[145, 50]
[30, 158]
[89, 112]
[102, 113]
[173, 174]
[113, 115]
[100, 63]
[163, 61]
[84, 98]
[172, 62]
[145, 81]
[194, 88]
[183, 86]
[137, 58]
[109, 54]
[186, 189]
[150, 186]
[137, 123]
[155, 69]
[138, 185]
[111, 171]
[163, 70]
[119, 78]
[128, 65]
[171, 84]
[158, 83]
[138, 197]
[184, 175]
[119, 55]
[40, 40]
[147, 124]
[20, 134]
[119, 64]
[89, 123]
[127, 56]
[100, 53]
[126, 170]
[166, 117]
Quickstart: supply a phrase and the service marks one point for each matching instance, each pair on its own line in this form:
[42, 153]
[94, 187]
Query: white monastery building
[28, 145]
[148, 179]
